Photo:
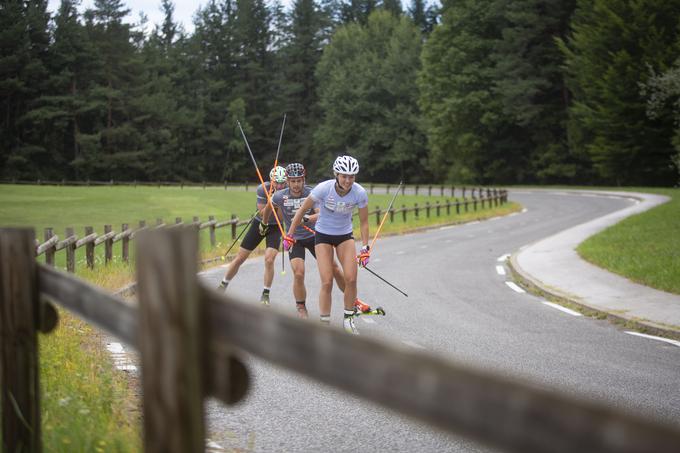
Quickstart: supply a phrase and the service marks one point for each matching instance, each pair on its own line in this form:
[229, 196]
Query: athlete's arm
[264, 213]
[363, 224]
[306, 206]
[311, 218]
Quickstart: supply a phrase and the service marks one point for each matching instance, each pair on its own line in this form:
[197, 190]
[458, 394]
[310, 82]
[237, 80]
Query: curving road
[459, 307]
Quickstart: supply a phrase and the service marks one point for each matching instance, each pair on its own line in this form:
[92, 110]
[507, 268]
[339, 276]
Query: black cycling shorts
[332, 239]
[253, 238]
[298, 249]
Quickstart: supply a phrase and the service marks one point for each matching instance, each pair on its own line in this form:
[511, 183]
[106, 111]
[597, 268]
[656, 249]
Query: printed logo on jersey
[340, 207]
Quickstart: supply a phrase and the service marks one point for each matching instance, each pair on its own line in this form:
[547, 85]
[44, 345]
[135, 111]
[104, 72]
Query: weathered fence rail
[485, 198]
[187, 333]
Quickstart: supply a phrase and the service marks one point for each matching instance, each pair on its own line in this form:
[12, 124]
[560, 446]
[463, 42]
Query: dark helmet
[295, 170]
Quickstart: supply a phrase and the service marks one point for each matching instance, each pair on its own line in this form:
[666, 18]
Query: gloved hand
[288, 242]
[263, 228]
[364, 256]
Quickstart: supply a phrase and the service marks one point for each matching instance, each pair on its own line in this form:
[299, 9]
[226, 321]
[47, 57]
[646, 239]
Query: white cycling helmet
[278, 174]
[346, 165]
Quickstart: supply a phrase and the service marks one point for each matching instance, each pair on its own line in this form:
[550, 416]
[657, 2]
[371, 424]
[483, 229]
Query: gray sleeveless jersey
[262, 198]
[289, 206]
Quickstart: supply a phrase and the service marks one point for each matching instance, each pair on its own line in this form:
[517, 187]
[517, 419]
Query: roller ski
[365, 309]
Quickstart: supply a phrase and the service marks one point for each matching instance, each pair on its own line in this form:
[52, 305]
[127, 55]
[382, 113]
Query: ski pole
[276, 162]
[259, 175]
[382, 222]
[240, 234]
[369, 270]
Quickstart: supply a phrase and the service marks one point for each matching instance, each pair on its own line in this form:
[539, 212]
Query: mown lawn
[644, 248]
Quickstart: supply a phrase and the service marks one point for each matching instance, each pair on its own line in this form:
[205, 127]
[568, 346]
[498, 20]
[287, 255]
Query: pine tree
[368, 93]
[608, 56]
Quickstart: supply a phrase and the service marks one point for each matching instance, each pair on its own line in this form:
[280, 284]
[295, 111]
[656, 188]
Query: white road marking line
[561, 308]
[115, 348]
[368, 320]
[412, 344]
[503, 257]
[652, 337]
[500, 270]
[514, 287]
[400, 252]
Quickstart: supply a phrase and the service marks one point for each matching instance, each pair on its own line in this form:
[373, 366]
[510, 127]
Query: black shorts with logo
[332, 239]
[298, 249]
[253, 238]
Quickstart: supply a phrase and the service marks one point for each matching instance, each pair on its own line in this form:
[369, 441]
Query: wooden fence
[52, 243]
[186, 334]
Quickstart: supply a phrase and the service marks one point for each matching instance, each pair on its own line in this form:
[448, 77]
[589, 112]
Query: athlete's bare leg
[299, 290]
[347, 256]
[269, 257]
[324, 261]
[235, 264]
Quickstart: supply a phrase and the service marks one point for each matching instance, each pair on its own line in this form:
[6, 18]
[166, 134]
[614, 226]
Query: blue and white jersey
[335, 212]
[289, 206]
[262, 198]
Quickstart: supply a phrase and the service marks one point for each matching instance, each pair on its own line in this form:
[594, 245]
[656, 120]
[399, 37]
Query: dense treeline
[493, 91]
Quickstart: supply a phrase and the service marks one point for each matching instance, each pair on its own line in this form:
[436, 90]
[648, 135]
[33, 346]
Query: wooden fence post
[172, 344]
[392, 215]
[19, 311]
[453, 189]
[403, 212]
[49, 253]
[377, 215]
[429, 191]
[457, 207]
[89, 248]
[211, 228]
[108, 245]
[415, 209]
[465, 201]
[125, 244]
[437, 208]
[233, 227]
[70, 252]
[427, 208]
[448, 207]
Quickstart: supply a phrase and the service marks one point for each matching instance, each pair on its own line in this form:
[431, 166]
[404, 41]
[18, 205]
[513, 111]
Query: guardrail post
[70, 252]
[108, 245]
[233, 227]
[19, 311]
[125, 244]
[172, 341]
[49, 253]
[211, 229]
[89, 248]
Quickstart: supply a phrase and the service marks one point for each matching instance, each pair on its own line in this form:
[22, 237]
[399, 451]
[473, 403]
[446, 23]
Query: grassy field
[645, 248]
[59, 207]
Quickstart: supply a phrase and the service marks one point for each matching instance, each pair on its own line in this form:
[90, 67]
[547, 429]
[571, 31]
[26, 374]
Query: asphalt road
[459, 307]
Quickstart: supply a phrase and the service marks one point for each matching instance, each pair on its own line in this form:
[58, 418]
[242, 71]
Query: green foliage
[644, 248]
[608, 56]
[491, 92]
[368, 95]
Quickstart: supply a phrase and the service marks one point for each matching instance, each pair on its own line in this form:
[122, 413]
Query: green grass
[644, 248]
[59, 207]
